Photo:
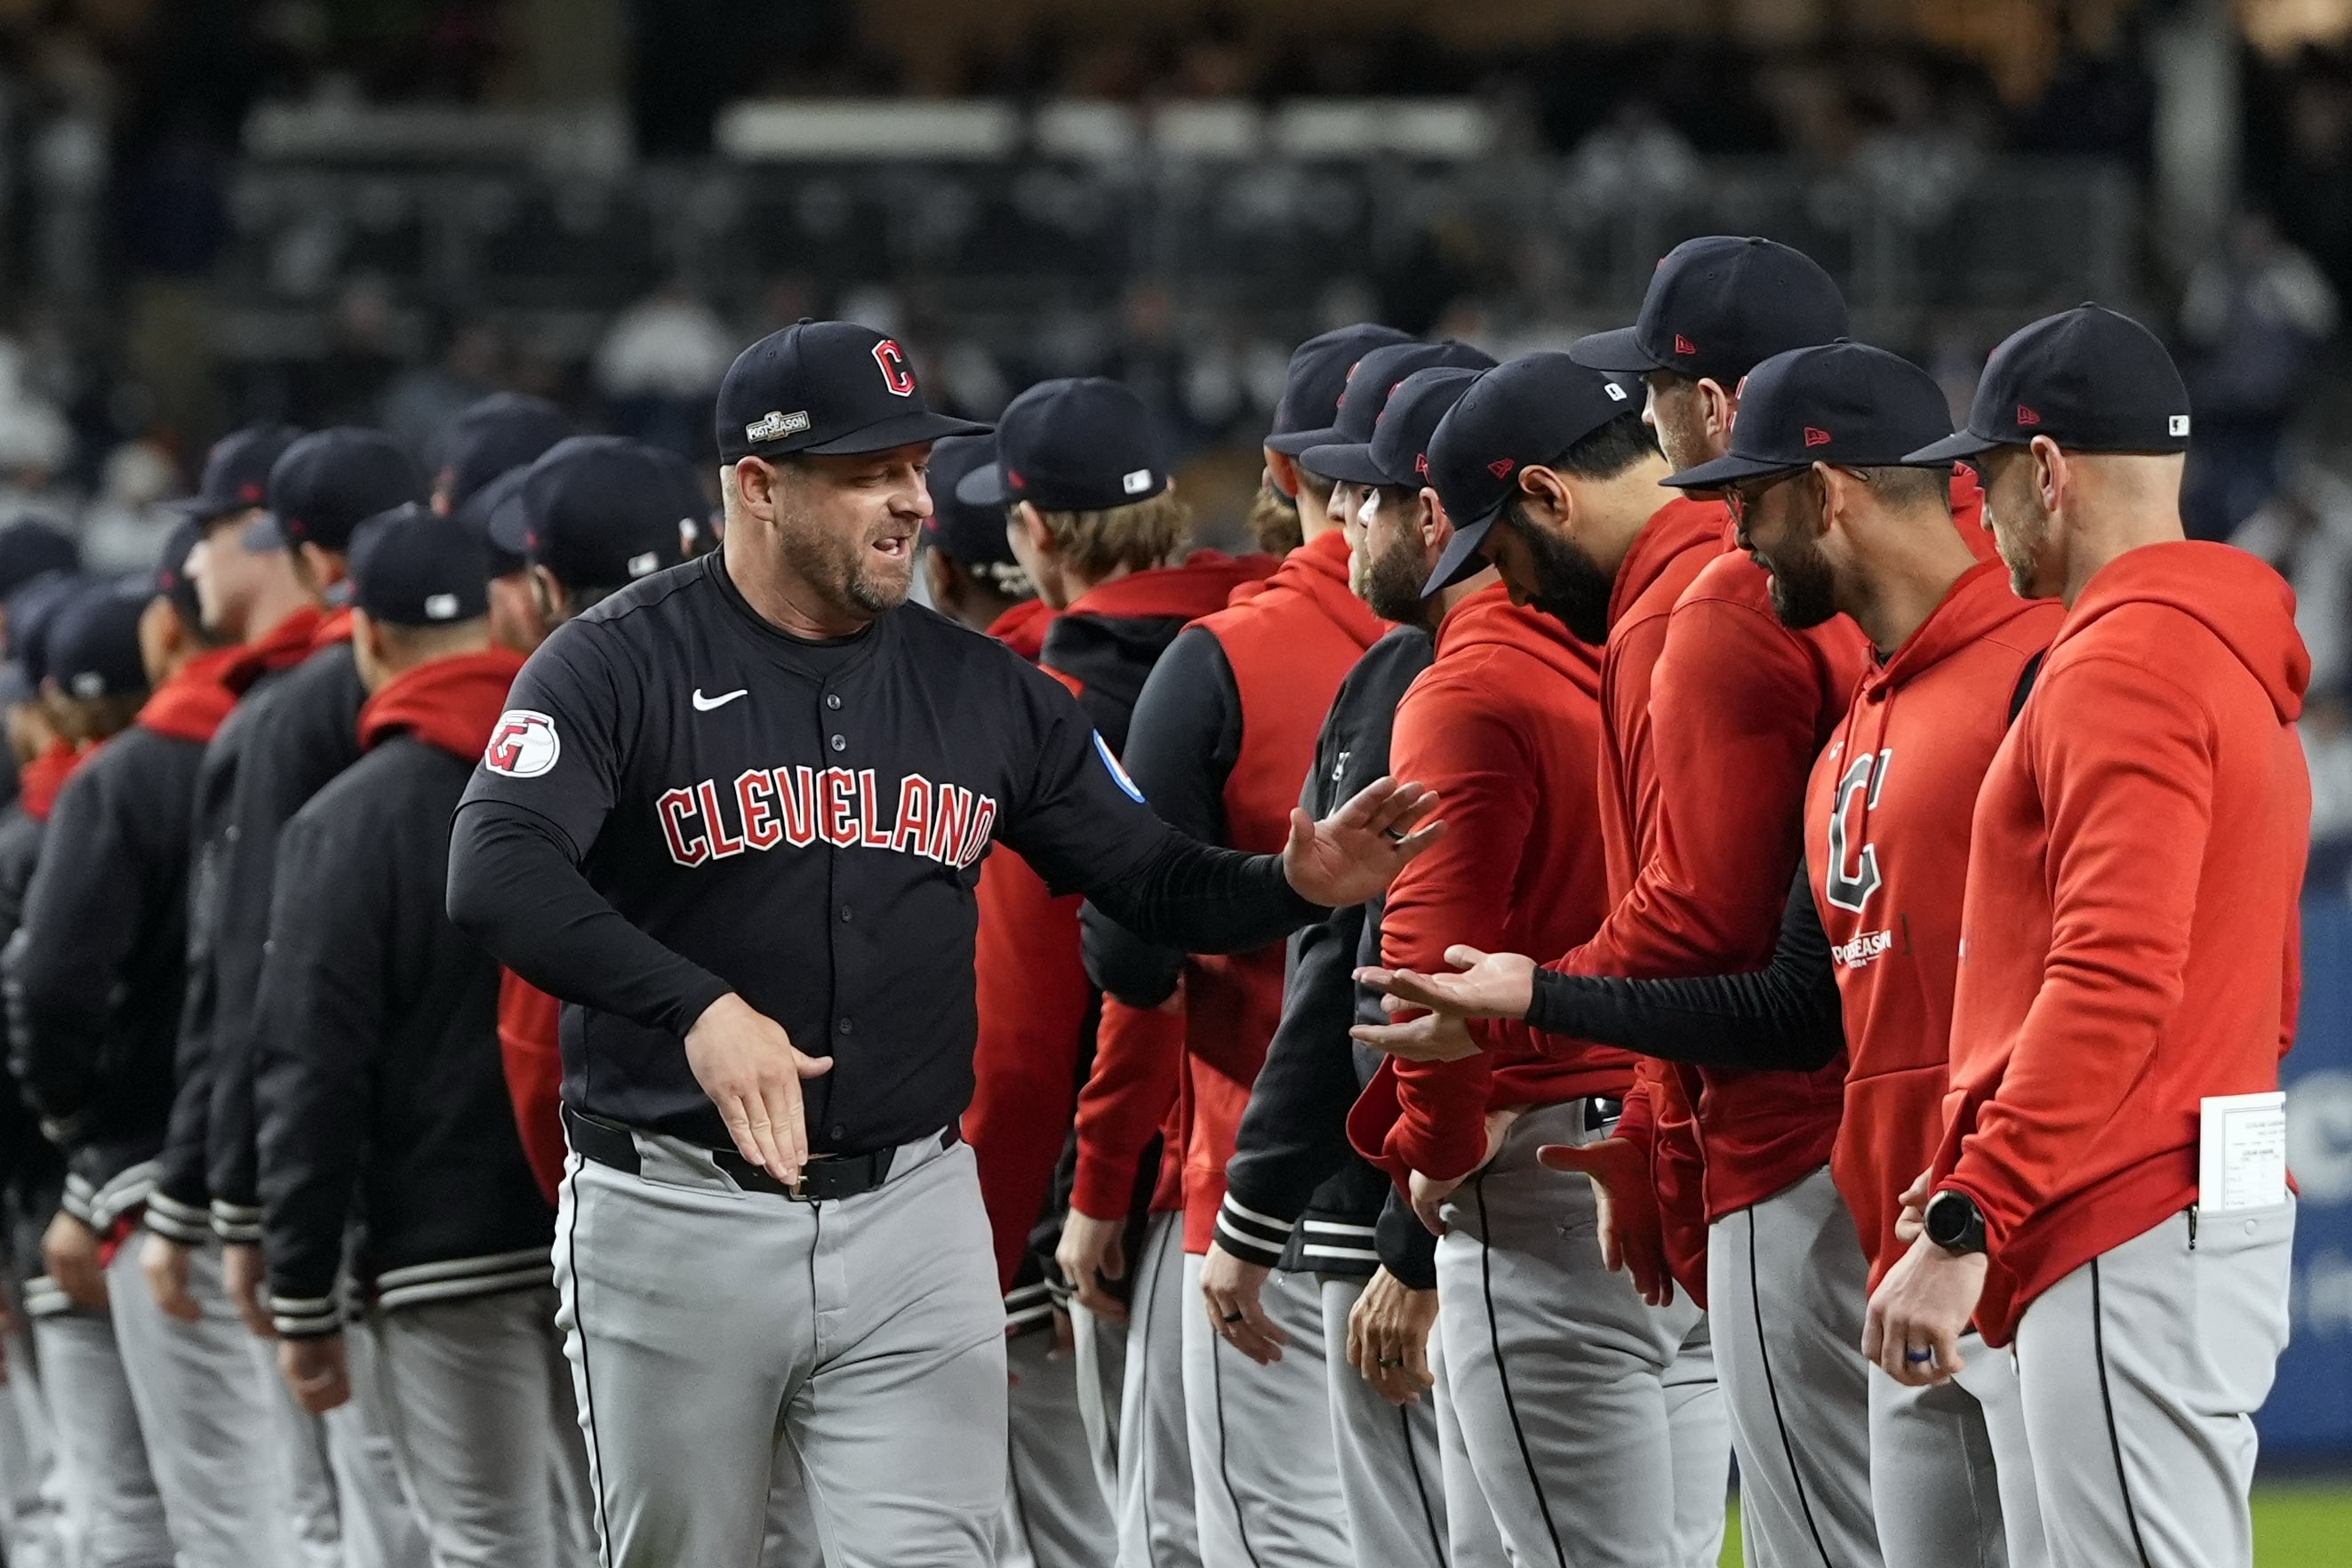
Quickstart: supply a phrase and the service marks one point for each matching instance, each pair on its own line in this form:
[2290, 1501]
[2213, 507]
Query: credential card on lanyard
[2242, 1152]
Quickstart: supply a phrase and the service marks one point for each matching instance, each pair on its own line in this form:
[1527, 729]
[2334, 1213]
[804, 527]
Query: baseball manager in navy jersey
[734, 816]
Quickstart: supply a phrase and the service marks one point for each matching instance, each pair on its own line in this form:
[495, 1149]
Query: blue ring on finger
[1919, 1357]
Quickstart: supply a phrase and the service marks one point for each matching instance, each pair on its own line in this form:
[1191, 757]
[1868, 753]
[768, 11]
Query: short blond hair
[1137, 537]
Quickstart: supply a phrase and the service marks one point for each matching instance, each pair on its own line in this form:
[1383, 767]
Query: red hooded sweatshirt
[1886, 845]
[2130, 943]
[1022, 628]
[1506, 727]
[1036, 1001]
[1289, 640]
[1733, 706]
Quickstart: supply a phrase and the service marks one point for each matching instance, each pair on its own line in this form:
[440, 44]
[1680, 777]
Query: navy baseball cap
[1843, 402]
[92, 646]
[1348, 454]
[831, 388]
[30, 548]
[477, 511]
[600, 511]
[1076, 444]
[2088, 378]
[32, 610]
[957, 530]
[412, 566]
[236, 472]
[1719, 306]
[1318, 372]
[172, 579]
[504, 431]
[329, 482]
[1525, 413]
[1398, 453]
[1370, 383]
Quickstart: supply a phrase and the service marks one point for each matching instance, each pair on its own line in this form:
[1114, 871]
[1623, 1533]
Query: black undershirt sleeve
[1786, 1015]
[1182, 747]
[1191, 897]
[515, 889]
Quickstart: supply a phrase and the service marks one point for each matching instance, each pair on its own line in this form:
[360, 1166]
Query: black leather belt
[826, 1178]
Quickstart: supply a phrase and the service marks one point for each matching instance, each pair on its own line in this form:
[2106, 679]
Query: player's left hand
[1489, 984]
[1919, 1312]
[1428, 1195]
[1388, 1337]
[1430, 1038]
[1356, 852]
[1233, 1290]
[317, 1371]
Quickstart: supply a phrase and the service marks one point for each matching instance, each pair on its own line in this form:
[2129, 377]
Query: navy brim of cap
[1723, 471]
[1617, 349]
[264, 534]
[1295, 442]
[1461, 558]
[900, 430]
[1953, 447]
[1348, 463]
[201, 509]
[985, 486]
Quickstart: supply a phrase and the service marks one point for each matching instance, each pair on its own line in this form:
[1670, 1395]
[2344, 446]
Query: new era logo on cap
[1501, 467]
[1816, 436]
[1683, 345]
[775, 423]
[2026, 416]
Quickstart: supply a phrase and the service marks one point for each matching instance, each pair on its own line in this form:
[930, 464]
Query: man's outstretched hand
[1356, 852]
[1487, 985]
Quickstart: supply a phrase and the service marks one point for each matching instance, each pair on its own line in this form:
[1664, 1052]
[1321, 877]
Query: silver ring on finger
[1229, 1318]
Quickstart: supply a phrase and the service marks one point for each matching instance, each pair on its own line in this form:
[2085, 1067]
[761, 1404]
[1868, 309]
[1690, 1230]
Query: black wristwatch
[1954, 1223]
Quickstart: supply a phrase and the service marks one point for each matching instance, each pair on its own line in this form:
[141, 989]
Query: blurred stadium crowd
[323, 211]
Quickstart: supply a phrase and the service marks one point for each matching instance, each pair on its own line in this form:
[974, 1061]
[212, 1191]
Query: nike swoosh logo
[705, 704]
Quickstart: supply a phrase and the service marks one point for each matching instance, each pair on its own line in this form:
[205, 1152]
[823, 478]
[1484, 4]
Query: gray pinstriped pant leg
[1559, 1372]
[1942, 1495]
[2140, 1373]
[113, 1513]
[1787, 1291]
[1266, 1482]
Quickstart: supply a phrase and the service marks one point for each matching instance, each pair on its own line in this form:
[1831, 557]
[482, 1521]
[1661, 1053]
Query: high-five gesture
[1356, 852]
[1490, 985]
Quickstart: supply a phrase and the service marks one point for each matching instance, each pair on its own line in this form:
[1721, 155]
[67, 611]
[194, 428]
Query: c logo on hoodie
[1852, 879]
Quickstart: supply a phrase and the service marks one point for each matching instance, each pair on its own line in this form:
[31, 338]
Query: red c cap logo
[897, 374]
[1816, 436]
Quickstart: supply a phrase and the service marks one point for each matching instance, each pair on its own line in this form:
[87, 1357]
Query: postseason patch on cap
[774, 425]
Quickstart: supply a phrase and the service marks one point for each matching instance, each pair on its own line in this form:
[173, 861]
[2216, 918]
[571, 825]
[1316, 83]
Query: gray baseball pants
[113, 1513]
[1265, 1481]
[1942, 1497]
[1787, 1291]
[2140, 1373]
[202, 1403]
[345, 1504]
[1391, 1461]
[1473, 1540]
[1152, 1499]
[1058, 1504]
[477, 1399]
[32, 1493]
[707, 1324]
[1563, 1379]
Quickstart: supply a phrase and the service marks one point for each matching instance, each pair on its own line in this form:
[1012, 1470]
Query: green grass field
[2297, 1524]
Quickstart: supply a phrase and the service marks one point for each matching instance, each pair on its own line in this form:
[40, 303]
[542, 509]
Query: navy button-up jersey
[805, 822]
